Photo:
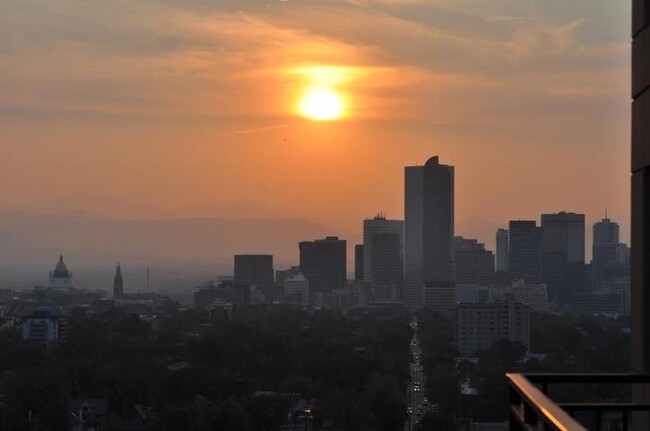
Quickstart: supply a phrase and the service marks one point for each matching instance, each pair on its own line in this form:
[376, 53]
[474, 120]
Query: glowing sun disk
[322, 103]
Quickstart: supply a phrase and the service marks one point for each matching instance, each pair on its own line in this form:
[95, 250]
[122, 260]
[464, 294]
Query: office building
[254, 269]
[480, 325]
[358, 262]
[503, 251]
[428, 236]
[525, 251]
[383, 250]
[473, 263]
[323, 263]
[296, 290]
[534, 295]
[282, 275]
[610, 258]
[563, 254]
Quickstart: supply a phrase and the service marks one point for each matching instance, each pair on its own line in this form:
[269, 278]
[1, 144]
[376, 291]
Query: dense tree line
[563, 343]
[187, 372]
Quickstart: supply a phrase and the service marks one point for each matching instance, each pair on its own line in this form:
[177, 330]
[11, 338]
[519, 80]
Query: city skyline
[201, 108]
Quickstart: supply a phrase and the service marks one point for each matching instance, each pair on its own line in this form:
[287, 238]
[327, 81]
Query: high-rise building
[118, 284]
[358, 262]
[503, 250]
[429, 232]
[323, 263]
[480, 325]
[610, 258]
[525, 251]
[606, 232]
[254, 269]
[474, 264]
[563, 255]
[383, 251]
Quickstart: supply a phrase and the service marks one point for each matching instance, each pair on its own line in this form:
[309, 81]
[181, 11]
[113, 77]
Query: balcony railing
[531, 407]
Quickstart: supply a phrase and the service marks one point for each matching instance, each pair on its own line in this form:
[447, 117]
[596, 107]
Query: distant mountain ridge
[33, 238]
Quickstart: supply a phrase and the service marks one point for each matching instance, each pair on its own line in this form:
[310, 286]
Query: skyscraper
[323, 263]
[358, 262]
[429, 232]
[604, 249]
[564, 255]
[525, 251]
[254, 269]
[503, 250]
[118, 284]
[610, 258]
[383, 250]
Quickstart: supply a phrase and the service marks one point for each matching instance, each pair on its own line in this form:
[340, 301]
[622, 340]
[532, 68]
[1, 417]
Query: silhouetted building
[283, 274]
[564, 255]
[383, 250]
[474, 264]
[118, 284]
[358, 262]
[534, 295]
[323, 263]
[61, 277]
[225, 291]
[480, 325]
[503, 251]
[254, 269]
[429, 231]
[525, 251]
[610, 258]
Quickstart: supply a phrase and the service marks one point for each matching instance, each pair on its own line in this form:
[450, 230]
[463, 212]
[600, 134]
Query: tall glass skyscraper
[564, 255]
[429, 233]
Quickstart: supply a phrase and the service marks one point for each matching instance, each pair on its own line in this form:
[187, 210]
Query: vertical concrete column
[641, 185]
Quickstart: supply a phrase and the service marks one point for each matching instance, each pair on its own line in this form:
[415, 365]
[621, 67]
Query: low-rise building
[45, 326]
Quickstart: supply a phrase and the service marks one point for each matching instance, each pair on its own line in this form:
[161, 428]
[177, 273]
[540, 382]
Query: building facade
[564, 255]
[503, 251]
[429, 232]
[254, 269]
[324, 263]
[473, 263]
[480, 325]
[525, 251]
[383, 251]
[45, 326]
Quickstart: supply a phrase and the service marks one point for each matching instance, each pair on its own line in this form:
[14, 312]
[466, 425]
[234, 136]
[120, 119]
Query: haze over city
[149, 110]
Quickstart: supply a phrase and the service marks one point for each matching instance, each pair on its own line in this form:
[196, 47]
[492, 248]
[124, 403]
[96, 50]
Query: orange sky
[172, 106]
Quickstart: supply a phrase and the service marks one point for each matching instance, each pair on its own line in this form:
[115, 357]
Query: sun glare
[322, 104]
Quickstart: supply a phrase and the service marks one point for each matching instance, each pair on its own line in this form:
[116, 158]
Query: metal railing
[531, 407]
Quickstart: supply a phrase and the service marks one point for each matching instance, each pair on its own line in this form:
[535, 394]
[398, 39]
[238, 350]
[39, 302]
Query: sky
[189, 108]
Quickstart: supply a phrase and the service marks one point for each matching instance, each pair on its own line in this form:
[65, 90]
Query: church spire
[118, 284]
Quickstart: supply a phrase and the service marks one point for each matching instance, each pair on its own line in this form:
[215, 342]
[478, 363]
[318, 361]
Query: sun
[322, 104]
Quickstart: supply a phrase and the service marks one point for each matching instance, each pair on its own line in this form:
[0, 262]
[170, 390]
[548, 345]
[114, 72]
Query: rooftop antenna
[605, 212]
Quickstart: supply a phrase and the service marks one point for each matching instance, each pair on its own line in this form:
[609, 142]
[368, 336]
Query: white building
[61, 277]
[44, 326]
